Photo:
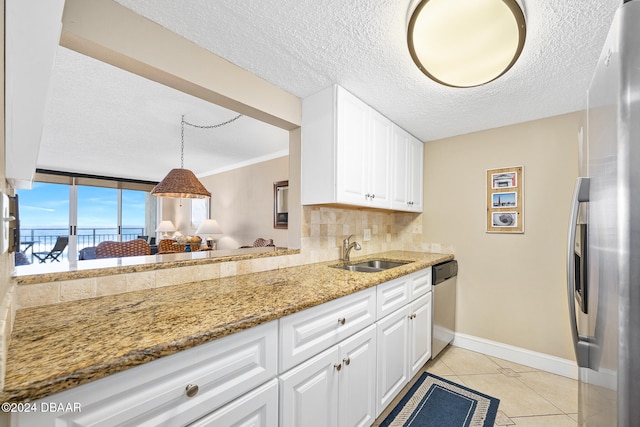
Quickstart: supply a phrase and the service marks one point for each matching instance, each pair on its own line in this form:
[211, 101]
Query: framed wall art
[505, 196]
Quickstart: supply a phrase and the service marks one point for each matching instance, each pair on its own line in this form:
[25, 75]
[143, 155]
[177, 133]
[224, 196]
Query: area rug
[435, 402]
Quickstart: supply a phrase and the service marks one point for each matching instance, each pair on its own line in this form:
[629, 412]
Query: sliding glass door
[97, 215]
[44, 216]
[137, 215]
[85, 214]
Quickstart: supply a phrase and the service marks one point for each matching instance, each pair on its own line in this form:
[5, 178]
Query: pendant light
[182, 183]
[465, 43]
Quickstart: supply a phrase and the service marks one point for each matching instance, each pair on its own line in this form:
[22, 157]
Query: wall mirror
[281, 204]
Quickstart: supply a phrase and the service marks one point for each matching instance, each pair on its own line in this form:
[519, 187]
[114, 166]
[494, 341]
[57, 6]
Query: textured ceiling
[303, 46]
[101, 120]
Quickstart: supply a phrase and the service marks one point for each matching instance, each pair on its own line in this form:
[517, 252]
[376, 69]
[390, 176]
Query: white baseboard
[555, 365]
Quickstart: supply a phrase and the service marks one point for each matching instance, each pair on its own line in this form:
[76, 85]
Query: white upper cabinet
[32, 37]
[407, 171]
[347, 153]
[352, 148]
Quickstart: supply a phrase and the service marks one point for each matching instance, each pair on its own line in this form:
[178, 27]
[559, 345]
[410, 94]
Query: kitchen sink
[371, 266]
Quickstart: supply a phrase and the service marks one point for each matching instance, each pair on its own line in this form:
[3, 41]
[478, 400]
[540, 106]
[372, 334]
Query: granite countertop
[54, 348]
[54, 272]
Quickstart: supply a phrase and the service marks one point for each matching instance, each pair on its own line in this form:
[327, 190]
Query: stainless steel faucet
[347, 246]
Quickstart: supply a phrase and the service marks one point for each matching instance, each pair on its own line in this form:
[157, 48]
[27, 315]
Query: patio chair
[111, 249]
[55, 253]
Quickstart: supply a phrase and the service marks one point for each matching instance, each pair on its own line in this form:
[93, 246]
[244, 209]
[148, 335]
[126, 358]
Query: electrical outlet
[367, 234]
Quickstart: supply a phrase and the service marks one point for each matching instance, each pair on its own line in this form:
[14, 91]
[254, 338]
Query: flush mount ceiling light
[466, 43]
[182, 183]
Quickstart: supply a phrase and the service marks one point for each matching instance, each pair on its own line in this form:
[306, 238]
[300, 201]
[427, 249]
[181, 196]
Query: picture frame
[505, 200]
[504, 180]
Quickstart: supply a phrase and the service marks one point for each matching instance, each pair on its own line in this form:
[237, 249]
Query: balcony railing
[43, 239]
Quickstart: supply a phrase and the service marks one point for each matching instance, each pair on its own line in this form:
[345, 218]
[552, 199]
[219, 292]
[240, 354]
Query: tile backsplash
[324, 229]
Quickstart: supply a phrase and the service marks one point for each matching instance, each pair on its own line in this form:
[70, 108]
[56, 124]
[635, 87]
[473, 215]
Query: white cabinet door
[393, 347]
[256, 408]
[309, 392]
[419, 333]
[416, 160]
[378, 161]
[357, 380]
[352, 148]
[407, 171]
[400, 169]
[335, 388]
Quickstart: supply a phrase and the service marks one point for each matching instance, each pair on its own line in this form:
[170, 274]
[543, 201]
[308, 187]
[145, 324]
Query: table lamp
[209, 229]
[166, 227]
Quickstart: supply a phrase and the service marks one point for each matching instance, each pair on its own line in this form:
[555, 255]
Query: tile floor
[528, 397]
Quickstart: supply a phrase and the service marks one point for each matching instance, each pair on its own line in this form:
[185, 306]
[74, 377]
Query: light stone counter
[57, 347]
[60, 271]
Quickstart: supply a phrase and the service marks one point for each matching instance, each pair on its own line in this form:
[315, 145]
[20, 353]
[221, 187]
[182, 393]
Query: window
[87, 209]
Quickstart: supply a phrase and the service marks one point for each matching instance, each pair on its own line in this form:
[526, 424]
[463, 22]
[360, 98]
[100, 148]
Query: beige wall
[511, 287]
[242, 203]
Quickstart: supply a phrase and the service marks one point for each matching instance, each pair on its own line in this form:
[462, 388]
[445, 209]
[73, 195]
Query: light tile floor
[528, 397]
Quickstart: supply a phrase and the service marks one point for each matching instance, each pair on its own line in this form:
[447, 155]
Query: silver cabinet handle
[342, 321]
[192, 390]
[412, 316]
[373, 196]
[338, 366]
[346, 361]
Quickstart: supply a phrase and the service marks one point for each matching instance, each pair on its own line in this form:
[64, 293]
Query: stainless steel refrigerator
[603, 260]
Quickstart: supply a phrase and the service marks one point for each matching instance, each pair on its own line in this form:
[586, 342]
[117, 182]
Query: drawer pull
[412, 316]
[338, 366]
[346, 361]
[192, 390]
[342, 320]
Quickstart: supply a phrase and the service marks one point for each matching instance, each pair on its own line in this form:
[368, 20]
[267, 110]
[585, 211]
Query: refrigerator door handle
[580, 343]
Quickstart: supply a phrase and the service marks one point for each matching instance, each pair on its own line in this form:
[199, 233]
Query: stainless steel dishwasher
[444, 305]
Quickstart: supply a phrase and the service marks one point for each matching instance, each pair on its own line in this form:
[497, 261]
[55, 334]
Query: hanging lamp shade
[181, 183]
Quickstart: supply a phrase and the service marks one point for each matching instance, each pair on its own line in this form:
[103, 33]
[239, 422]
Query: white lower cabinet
[404, 346]
[334, 388]
[419, 333]
[258, 408]
[172, 391]
[393, 354]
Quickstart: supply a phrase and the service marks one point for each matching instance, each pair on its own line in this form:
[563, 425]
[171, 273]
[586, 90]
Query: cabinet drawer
[392, 295]
[308, 332]
[257, 408]
[155, 393]
[420, 283]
